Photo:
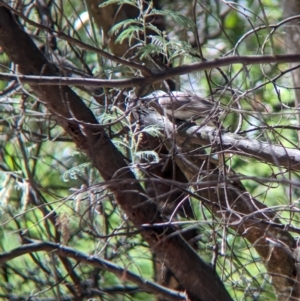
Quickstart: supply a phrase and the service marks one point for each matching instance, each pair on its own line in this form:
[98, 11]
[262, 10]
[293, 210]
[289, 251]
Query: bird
[182, 105]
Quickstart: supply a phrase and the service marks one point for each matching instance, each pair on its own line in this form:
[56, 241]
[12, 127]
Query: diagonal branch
[229, 142]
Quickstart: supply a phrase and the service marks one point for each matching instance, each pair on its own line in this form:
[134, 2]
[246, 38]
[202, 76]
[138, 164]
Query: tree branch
[62, 251]
[228, 142]
[157, 77]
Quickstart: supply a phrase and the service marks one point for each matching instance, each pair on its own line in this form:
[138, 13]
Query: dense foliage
[94, 183]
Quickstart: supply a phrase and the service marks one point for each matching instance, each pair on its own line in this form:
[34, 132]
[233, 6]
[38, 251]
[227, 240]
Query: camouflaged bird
[183, 106]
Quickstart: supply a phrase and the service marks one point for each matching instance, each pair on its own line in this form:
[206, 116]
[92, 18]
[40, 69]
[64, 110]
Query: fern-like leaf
[152, 130]
[181, 48]
[109, 2]
[149, 51]
[121, 25]
[128, 33]
[178, 18]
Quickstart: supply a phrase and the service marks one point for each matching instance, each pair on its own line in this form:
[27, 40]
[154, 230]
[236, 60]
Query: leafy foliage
[52, 192]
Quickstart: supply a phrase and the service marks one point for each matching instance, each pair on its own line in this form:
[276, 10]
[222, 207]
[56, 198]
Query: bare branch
[157, 77]
[66, 252]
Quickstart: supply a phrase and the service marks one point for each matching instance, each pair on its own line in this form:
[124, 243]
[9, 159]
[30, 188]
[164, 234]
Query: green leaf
[149, 50]
[109, 2]
[159, 41]
[181, 48]
[129, 33]
[178, 18]
[153, 130]
[121, 25]
[154, 29]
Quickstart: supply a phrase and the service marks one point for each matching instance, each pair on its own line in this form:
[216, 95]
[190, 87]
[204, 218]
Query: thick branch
[228, 142]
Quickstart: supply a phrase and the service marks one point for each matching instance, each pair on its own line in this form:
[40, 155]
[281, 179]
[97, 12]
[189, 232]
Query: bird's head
[154, 95]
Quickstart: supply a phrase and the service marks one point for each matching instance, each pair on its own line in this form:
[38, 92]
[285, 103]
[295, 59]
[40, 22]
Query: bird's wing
[181, 100]
[172, 102]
